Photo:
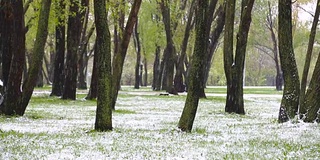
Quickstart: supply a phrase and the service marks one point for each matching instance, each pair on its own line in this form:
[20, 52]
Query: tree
[271, 51]
[118, 59]
[178, 78]
[103, 50]
[73, 40]
[13, 55]
[58, 78]
[138, 60]
[15, 101]
[290, 98]
[196, 71]
[170, 51]
[38, 55]
[234, 66]
[303, 109]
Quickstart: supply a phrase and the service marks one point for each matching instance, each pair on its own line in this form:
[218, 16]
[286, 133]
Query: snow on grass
[145, 128]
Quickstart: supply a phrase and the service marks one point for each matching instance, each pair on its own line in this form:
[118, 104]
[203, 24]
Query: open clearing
[145, 128]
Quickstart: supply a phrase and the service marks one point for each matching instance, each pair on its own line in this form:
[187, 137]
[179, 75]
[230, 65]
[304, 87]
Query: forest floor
[145, 127]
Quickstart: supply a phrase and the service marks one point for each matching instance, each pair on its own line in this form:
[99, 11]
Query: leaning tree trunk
[302, 109]
[234, 68]
[37, 57]
[179, 84]
[118, 59]
[92, 94]
[58, 78]
[214, 37]
[290, 99]
[196, 71]
[312, 100]
[13, 54]
[73, 39]
[104, 113]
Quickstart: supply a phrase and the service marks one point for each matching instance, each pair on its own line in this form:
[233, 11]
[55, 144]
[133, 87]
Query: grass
[145, 127]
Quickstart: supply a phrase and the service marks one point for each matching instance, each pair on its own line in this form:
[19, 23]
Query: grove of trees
[174, 46]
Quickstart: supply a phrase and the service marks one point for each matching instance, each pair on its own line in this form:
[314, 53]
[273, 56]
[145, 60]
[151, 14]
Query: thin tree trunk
[38, 55]
[196, 72]
[145, 75]
[104, 113]
[84, 14]
[118, 59]
[279, 77]
[290, 99]
[156, 70]
[179, 84]
[302, 109]
[92, 94]
[138, 60]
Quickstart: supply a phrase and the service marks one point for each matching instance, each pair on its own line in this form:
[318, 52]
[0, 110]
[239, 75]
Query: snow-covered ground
[63, 130]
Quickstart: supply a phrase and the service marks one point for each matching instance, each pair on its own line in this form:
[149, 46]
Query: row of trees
[207, 20]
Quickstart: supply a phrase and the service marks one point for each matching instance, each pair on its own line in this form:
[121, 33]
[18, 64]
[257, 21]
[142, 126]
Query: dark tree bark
[303, 109]
[179, 84]
[84, 14]
[145, 75]
[38, 55]
[58, 78]
[234, 68]
[196, 71]
[214, 39]
[290, 99]
[73, 39]
[170, 49]
[138, 59]
[104, 113]
[156, 70]
[312, 100]
[118, 59]
[92, 94]
[13, 55]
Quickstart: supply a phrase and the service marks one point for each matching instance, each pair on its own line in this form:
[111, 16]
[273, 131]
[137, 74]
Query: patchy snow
[64, 131]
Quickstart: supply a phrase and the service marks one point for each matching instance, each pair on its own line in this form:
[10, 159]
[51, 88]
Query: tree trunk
[58, 78]
[196, 72]
[13, 54]
[92, 94]
[179, 84]
[312, 100]
[156, 70]
[214, 39]
[290, 99]
[104, 113]
[138, 60]
[170, 49]
[82, 52]
[73, 39]
[234, 68]
[302, 109]
[38, 55]
[145, 75]
[118, 59]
